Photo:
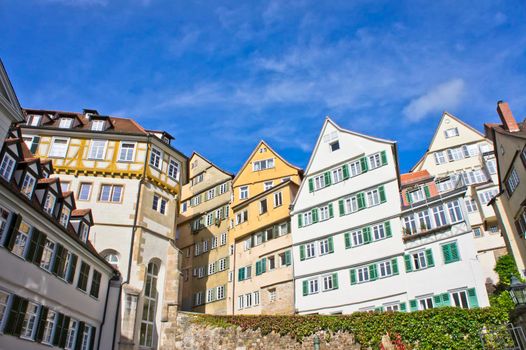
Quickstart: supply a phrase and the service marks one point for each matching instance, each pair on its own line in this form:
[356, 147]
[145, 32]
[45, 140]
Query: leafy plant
[505, 268]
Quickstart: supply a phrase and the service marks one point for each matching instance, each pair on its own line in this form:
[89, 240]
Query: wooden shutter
[403, 307]
[327, 176]
[227, 261]
[40, 249]
[437, 301]
[58, 259]
[345, 170]
[311, 185]
[408, 196]
[305, 288]
[429, 258]
[314, 215]
[341, 207]
[302, 252]
[71, 273]
[92, 338]
[408, 265]
[33, 245]
[347, 237]
[387, 226]
[34, 144]
[288, 257]
[58, 328]
[426, 191]
[445, 299]
[263, 265]
[80, 333]
[413, 305]
[381, 190]
[353, 276]
[241, 273]
[454, 252]
[12, 318]
[383, 155]
[41, 323]
[64, 332]
[446, 251]
[394, 265]
[361, 200]
[379, 309]
[331, 211]
[11, 228]
[373, 274]
[472, 298]
[366, 235]
[300, 220]
[335, 280]
[331, 244]
[363, 164]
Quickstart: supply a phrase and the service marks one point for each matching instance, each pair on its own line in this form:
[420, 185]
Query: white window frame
[30, 323]
[156, 159]
[127, 151]
[7, 166]
[81, 186]
[53, 153]
[324, 246]
[93, 153]
[98, 125]
[451, 132]
[174, 169]
[243, 192]
[65, 123]
[313, 286]
[28, 184]
[278, 199]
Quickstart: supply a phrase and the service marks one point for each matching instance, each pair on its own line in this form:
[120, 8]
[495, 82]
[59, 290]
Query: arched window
[112, 257]
[149, 306]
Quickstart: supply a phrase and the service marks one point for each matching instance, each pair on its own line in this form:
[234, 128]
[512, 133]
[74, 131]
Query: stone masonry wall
[191, 336]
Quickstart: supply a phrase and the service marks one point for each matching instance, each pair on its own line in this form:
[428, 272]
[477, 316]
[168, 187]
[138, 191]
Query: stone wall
[192, 336]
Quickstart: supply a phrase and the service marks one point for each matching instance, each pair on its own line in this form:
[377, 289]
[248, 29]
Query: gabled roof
[11, 103]
[263, 143]
[416, 176]
[195, 153]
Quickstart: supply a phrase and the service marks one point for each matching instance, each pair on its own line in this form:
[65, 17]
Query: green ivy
[505, 268]
[443, 328]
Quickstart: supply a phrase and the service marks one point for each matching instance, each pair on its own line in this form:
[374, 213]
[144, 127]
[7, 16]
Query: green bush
[505, 268]
[443, 328]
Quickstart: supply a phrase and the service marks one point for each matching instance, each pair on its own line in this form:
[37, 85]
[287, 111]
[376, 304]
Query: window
[313, 286]
[278, 199]
[34, 120]
[29, 141]
[330, 282]
[173, 169]
[64, 186]
[220, 292]
[267, 185]
[4, 300]
[49, 326]
[460, 299]
[263, 164]
[159, 204]
[439, 216]
[205, 246]
[512, 181]
[156, 158]
[241, 217]
[110, 193]
[223, 188]
[72, 334]
[357, 238]
[324, 213]
[197, 179]
[30, 321]
[337, 175]
[356, 168]
[417, 196]
[184, 207]
[95, 284]
[49, 203]
[222, 264]
[27, 185]
[255, 296]
[454, 154]
[491, 165]
[198, 298]
[47, 255]
[421, 260]
[307, 218]
[425, 303]
[96, 149]
[493, 229]
[392, 307]
[271, 262]
[385, 269]
[324, 247]
[440, 158]
[450, 252]
[474, 177]
[351, 205]
[113, 259]
[455, 213]
[82, 282]
[211, 268]
[471, 205]
[84, 191]
[485, 197]
[263, 206]
[4, 217]
[126, 152]
[319, 182]
[222, 240]
[7, 166]
[424, 221]
[97, 125]
[64, 216]
[335, 145]
[58, 148]
[363, 274]
[65, 123]
[200, 272]
[210, 295]
[452, 132]
[378, 232]
[375, 161]
[241, 302]
[477, 232]
[21, 240]
[243, 192]
[150, 306]
[86, 334]
[373, 197]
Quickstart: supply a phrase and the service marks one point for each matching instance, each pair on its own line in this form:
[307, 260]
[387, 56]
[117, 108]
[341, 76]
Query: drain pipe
[113, 278]
[134, 229]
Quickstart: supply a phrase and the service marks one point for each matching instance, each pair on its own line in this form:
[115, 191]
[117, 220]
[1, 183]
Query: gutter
[114, 278]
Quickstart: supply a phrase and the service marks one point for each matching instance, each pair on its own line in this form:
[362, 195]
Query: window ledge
[410, 237]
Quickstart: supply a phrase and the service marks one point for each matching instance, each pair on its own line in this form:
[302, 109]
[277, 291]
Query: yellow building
[261, 276]
[203, 237]
[131, 177]
[509, 139]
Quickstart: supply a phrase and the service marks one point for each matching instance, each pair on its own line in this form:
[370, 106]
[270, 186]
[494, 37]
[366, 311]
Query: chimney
[506, 117]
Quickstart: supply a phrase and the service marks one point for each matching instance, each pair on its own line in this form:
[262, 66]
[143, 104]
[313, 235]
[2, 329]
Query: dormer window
[98, 125]
[34, 120]
[452, 132]
[64, 216]
[84, 232]
[49, 203]
[27, 185]
[335, 145]
[7, 166]
[65, 123]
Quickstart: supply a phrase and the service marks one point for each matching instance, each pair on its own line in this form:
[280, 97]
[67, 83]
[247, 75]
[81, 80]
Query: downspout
[134, 228]
[114, 278]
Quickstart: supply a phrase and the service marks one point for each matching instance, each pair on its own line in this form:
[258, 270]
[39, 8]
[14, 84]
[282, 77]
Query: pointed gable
[8, 97]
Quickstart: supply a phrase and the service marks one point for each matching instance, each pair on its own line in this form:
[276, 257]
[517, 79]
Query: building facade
[131, 177]
[509, 140]
[10, 111]
[349, 248]
[261, 273]
[458, 156]
[203, 237]
[55, 289]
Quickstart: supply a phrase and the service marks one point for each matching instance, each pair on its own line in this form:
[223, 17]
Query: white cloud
[444, 96]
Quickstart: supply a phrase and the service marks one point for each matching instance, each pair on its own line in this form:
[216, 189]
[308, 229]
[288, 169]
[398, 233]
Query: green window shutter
[263, 265]
[383, 155]
[314, 215]
[34, 145]
[379, 309]
[403, 307]
[388, 231]
[353, 276]
[366, 235]
[472, 298]
[363, 164]
[347, 237]
[429, 258]
[258, 269]
[227, 262]
[288, 258]
[381, 190]
[446, 251]
[454, 252]
[302, 252]
[342, 208]
[361, 200]
[394, 265]
[300, 220]
[241, 274]
[426, 191]
[327, 176]
[445, 299]
[335, 280]
[331, 211]
[372, 272]
[408, 196]
[311, 185]
[413, 306]
[408, 265]
[305, 288]
[331, 244]
[437, 301]
[345, 170]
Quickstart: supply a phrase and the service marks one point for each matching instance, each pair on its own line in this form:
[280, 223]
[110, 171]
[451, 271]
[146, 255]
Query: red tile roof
[414, 177]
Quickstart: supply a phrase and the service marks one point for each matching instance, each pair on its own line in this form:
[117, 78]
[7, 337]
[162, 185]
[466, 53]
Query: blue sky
[220, 76]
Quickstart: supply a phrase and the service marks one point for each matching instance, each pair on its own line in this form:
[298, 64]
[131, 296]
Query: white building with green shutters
[349, 247]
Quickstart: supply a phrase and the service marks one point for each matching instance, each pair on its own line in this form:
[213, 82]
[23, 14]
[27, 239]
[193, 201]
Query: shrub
[505, 268]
